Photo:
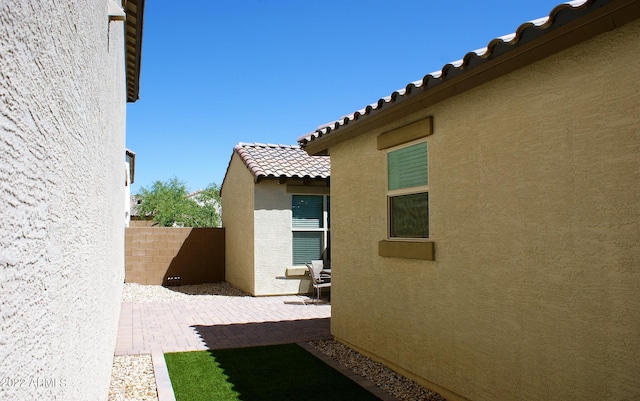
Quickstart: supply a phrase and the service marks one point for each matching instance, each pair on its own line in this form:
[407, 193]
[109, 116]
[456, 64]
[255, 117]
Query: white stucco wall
[62, 134]
[273, 237]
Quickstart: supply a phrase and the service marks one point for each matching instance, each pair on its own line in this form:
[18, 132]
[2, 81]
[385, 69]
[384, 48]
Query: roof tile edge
[449, 70]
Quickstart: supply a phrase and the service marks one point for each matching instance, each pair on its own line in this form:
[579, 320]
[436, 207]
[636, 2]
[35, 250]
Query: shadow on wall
[174, 256]
[199, 260]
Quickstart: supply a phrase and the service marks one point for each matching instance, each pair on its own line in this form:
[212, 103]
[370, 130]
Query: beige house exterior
[260, 185]
[527, 286]
[67, 70]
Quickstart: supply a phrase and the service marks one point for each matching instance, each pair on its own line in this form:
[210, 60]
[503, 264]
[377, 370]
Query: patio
[212, 322]
[156, 319]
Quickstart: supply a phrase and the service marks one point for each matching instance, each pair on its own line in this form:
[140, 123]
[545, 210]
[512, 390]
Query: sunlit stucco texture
[535, 215]
[62, 147]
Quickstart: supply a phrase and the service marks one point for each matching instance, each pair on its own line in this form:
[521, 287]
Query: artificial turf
[279, 372]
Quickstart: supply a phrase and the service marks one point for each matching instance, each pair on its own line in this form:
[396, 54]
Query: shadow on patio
[263, 333]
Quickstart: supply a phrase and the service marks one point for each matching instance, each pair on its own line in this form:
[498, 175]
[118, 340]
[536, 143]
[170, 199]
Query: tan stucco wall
[535, 214]
[273, 242]
[62, 147]
[237, 219]
[257, 220]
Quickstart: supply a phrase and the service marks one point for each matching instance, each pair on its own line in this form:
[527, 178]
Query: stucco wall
[535, 214]
[273, 242]
[257, 220]
[237, 219]
[62, 130]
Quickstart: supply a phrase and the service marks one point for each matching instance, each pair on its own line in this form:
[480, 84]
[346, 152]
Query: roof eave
[567, 28]
[133, 46]
[285, 178]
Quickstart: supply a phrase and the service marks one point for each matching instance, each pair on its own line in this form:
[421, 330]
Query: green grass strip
[280, 372]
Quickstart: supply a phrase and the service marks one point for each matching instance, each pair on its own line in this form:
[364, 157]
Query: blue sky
[217, 73]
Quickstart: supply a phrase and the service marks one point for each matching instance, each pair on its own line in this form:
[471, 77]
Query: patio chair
[317, 281]
[319, 268]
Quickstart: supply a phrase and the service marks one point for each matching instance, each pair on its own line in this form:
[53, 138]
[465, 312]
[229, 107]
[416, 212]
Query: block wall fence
[174, 256]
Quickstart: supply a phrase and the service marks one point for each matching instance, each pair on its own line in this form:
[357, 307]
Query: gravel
[132, 379]
[132, 376]
[156, 293]
[383, 377]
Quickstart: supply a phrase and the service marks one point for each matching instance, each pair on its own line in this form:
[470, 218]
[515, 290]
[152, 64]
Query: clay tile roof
[498, 47]
[282, 161]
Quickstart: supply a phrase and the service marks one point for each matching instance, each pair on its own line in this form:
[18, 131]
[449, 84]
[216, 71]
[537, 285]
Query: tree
[169, 203]
[207, 214]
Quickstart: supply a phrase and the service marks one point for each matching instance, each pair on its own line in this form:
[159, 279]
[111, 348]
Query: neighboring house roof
[567, 24]
[133, 46]
[281, 161]
[134, 202]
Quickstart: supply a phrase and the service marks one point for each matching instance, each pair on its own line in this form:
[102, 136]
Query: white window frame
[405, 191]
[325, 229]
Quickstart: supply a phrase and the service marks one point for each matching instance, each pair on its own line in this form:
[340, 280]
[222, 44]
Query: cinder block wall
[142, 223]
[155, 254]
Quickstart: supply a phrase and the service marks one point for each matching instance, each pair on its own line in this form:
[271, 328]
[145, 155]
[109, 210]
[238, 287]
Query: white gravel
[383, 377]
[132, 377]
[156, 293]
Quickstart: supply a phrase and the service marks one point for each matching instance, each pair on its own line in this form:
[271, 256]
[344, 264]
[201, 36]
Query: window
[310, 226]
[408, 191]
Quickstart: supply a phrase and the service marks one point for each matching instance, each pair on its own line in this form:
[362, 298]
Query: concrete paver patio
[219, 322]
[224, 322]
